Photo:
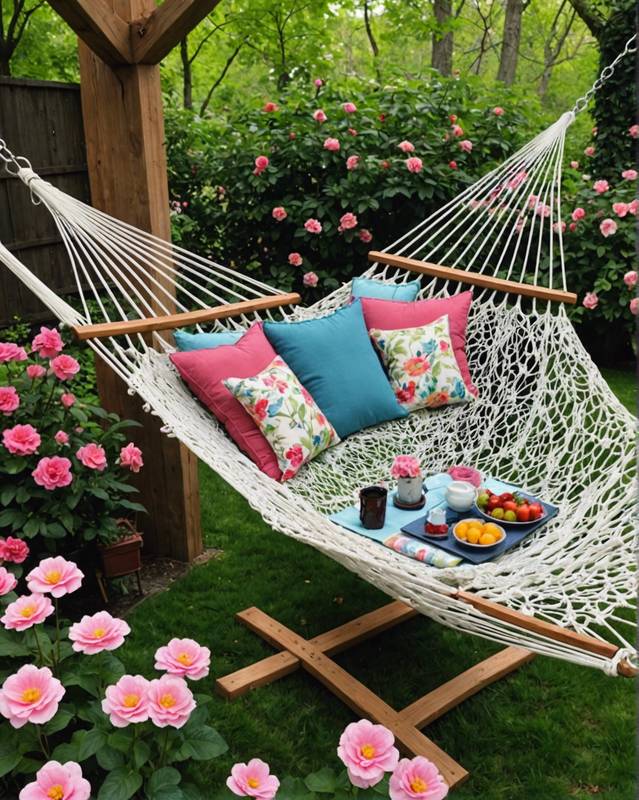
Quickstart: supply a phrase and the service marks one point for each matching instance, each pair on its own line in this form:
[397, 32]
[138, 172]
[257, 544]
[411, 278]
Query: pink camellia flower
[601, 186]
[352, 132]
[589, 151]
[253, 780]
[98, 632]
[310, 279]
[279, 213]
[468, 474]
[8, 581]
[630, 278]
[261, 163]
[319, 115]
[349, 108]
[313, 225]
[620, 209]
[417, 779]
[498, 111]
[131, 457]
[633, 207]
[367, 751]
[634, 306]
[405, 467]
[385, 165]
[629, 174]
[295, 259]
[590, 301]
[93, 456]
[55, 781]
[608, 227]
[633, 131]
[270, 107]
[126, 701]
[61, 438]
[184, 657]
[365, 235]
[13, 550]
[452, 118]
[457, 130]
[352, 162]
[35, 371]
[170, 701]
[26, 611]
[406, 146]
[466, 145]
[572, 227]
[21, 440]
[452, 164]
[347, 221]
[331, 144]
[318, 82]
[9, 400]
[48, 343]
[55, 576]
[414, 164]
[574, 164]
[578, 214]
[11, 352]
[67, 399]
[53, 473]
[64, 367]
[30, 695]
[556, 226]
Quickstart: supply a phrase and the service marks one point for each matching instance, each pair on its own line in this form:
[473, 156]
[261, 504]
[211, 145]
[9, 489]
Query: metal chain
[12, 164]
[606, 74]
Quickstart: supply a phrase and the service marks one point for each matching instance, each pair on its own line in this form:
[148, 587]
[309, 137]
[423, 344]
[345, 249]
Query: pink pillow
[204, 371]
[392, 315]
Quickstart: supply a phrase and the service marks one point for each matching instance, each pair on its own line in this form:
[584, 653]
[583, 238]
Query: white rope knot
[611, 667]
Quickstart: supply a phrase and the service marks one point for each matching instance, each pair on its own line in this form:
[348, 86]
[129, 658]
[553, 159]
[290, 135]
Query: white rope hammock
[545, 418]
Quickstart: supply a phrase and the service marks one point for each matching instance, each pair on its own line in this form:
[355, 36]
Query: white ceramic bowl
[478, 546]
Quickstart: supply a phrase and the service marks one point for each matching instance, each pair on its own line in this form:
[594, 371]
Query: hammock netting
[545, 419]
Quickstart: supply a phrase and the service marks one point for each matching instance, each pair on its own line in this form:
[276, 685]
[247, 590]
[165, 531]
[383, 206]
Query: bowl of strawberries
[510, 508]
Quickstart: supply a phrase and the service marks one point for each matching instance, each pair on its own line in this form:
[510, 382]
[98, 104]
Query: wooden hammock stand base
[314, 655]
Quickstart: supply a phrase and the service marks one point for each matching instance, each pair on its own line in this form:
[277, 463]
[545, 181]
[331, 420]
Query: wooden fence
[42, 121]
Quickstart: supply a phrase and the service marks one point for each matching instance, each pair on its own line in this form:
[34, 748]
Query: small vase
[409, 490]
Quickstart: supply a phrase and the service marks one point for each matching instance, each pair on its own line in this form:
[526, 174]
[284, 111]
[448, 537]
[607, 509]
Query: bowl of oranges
[479, 534]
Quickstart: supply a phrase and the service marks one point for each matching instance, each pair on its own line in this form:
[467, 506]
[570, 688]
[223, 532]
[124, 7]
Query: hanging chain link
[12, 164]
[606, 74]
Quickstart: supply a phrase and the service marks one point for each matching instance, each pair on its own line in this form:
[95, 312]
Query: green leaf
[163, 778]
[7, 494]
[109, 759]
[121, 740]
[13, 466]
[141, 753]
[201, 743]
[324, 780]
[120, 784]
[67, 751]
[293, 789]
[9, 756]
[90, 743]
[59, 722]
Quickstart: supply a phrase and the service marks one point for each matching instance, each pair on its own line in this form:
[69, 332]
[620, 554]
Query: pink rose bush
[352, 162]
[414, 164]
[53, 473]
[55, 781]
[9, 400]
[64, 367]
[10, 352]
[48, 343]
[347, 221]
[310, 279]
[21, 440]
[93, 456]
[313, 225]
[331, 144]
[295, 259]
[279, 213]
[406, 146]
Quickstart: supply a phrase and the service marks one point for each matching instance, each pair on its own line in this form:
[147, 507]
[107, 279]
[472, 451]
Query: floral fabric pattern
[422, 366]
[286, 414]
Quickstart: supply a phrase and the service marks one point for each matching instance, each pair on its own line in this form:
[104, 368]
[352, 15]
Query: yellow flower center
[27, 611]
[31, 695]
[368, 751]
[185, 659]
[418, 786]
[253, 783]
[53, 576]
[98, 633]
[56, 792]
[167, 701]
[131, 700]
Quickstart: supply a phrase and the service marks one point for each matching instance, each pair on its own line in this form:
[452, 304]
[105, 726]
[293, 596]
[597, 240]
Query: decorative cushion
[185, 342]
[422, 365]
[334, 359]
[286, 414]
[391, 315]
[368, 287]
[204, 371]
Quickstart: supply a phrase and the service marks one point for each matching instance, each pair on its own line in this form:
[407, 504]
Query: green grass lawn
[548, 732]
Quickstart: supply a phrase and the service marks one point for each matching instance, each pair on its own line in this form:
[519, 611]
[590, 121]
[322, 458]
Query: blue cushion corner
[402, 292]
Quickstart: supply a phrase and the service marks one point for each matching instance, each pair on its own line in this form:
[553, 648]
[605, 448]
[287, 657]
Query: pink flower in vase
[368, 751]
[468, 474]
[405, 467]
[253, 780]
[55, 781]
[30, 695]
[184, 657]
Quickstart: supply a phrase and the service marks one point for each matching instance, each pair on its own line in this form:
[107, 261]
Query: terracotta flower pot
[122, 557]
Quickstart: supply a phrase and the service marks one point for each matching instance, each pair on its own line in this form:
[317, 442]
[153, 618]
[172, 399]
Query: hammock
[545, 419]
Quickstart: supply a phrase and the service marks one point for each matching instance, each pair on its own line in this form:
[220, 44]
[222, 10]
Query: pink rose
[8, 581]
[318, 82]
[11, 352]
[67, 399]
[457, 130]
[406, 146]
[467, 474]
[405, 467]
[126, 701]
[64, 367]
[331, 144]
[13, 550]
[629, 174]
[313, 225]
[601, 186]
[184, 657]
[98, 632]
[131, 457]
[634, 306]
[633, 131]
[349, 108]
[347, 221]
[542, 210]
[319, 115]
[452, 164]
[608, 227]
[498, 111]
[572, 227]
[93, 456]
[351, 132]
[26, 611]
[9, 399]
[620, 209]
[30, 695]
[590, 301]
[365, 235]
[53, 473]
[292, 135]
[556, 226]
[35, 371]
[633, 207]
[253, 780]
[170, 701]
[261, 163]
[452, 118]
[295, 259]
[21, 440]
[48, 343]
[270, 107]
[466, 145]
[414, 164]
[55, 576]
[574, 164]
[310, 279]
[368, 752]
[417, 779]
[352, 162]
[58, 782]
[578, 214]
[279, 213]
[589, 151]
[630, 279]
[61, 438]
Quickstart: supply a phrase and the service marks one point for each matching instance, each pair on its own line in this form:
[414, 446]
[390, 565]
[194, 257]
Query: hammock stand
[545, 419]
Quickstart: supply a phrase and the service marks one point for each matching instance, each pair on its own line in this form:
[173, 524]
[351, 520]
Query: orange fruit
[490, 527]
[473, 535]
[487, 538]
[462, 529]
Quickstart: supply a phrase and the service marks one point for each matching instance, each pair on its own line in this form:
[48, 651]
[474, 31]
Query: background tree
[442, 46]
[14, 19]
[510, 41]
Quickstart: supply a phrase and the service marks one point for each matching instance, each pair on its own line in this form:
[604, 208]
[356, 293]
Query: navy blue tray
[514, 535]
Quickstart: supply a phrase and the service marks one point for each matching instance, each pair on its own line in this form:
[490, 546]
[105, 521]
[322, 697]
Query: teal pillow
[367, 287]
[333, 358]
[185, 342]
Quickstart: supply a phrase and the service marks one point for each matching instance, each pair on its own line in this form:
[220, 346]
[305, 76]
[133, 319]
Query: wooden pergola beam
[99, 27]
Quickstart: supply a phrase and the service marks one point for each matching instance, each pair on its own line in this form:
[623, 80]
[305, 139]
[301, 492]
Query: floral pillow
[286, 414]
[422, 366]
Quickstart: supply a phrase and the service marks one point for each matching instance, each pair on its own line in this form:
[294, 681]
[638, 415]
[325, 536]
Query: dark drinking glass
[372, 506]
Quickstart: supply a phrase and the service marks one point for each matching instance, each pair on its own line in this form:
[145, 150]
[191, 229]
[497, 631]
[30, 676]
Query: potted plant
[407, 471]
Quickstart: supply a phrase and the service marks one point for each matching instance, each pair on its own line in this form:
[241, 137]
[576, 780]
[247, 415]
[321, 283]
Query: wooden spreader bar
[166, 322]
[473, 278]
